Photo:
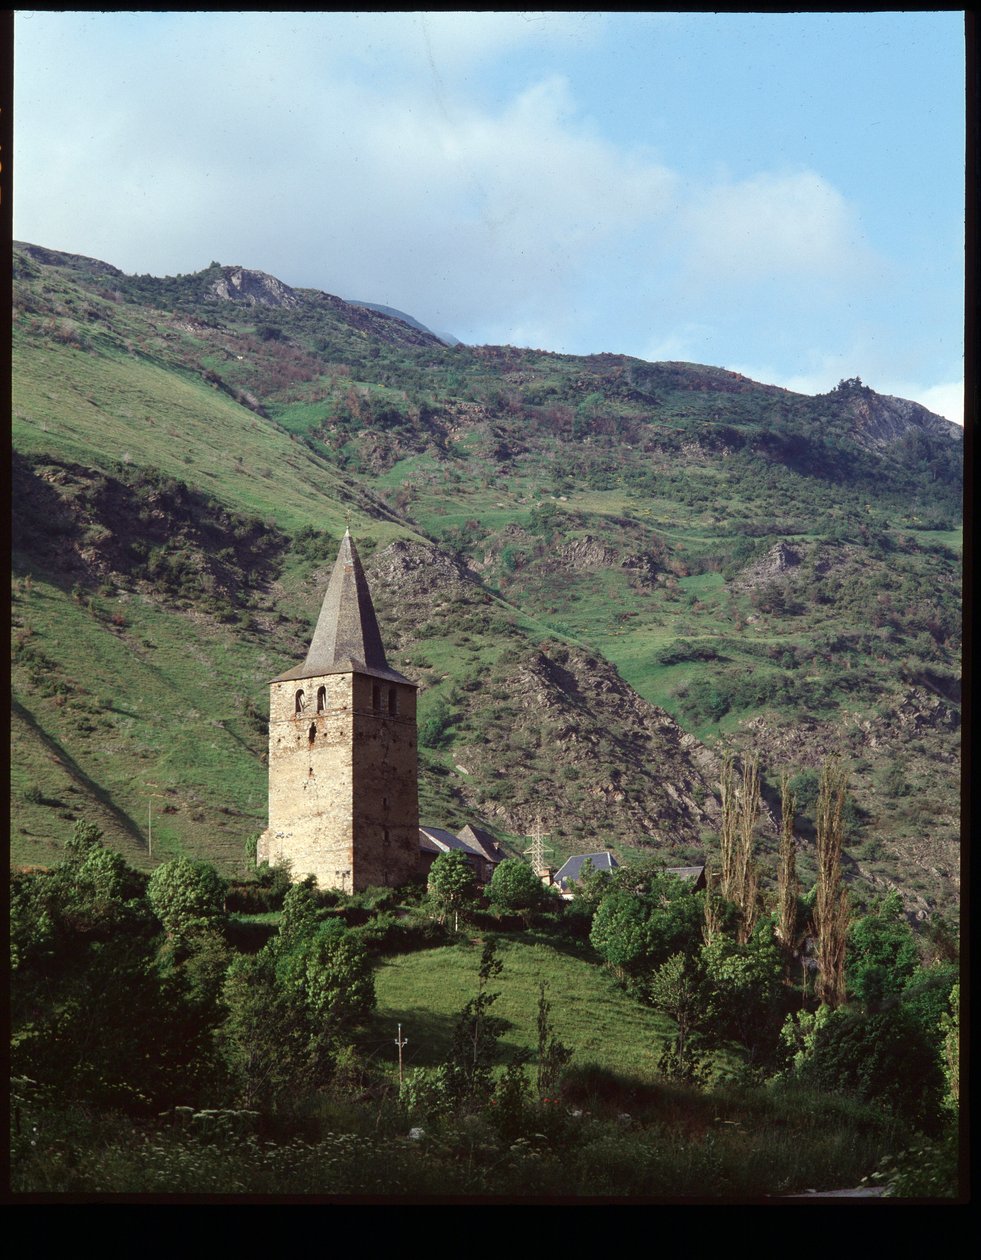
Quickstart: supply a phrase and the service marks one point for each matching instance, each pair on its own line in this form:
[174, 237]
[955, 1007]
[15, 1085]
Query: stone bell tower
[343, 795]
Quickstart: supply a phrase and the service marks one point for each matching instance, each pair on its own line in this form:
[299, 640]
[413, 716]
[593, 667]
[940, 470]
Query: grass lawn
[424, 992]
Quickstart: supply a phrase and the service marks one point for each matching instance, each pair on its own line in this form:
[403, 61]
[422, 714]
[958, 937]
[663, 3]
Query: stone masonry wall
[386, 801]
[343, 803]
[310, 780]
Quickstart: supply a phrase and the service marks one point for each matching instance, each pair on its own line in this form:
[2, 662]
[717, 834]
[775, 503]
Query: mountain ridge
[722, 551]
[883, 415]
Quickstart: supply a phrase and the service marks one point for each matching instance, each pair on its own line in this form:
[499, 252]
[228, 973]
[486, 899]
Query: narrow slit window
[376, 703]
[393, 702]
[312, 732]
[321, 699]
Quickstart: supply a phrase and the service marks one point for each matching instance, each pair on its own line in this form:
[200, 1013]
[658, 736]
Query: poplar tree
[739, 879]
[747, 875]
[831, 902]
[788, 885]
[714, 908]
[728, 829]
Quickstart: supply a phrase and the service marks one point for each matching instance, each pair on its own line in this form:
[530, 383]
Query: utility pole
[537, 850]
[401, 1042]
[149, 818]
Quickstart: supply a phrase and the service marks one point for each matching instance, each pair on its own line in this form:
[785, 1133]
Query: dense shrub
[389, 933]
[886, 1059]
[185, 894]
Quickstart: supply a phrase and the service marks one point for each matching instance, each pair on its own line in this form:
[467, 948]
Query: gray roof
[447, 840]
[481, 840]
[685, 872]
[347, 639]
[427, 844]
[569, 872]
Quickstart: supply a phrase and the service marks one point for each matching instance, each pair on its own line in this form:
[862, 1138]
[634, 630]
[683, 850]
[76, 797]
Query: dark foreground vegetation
[174, 1034]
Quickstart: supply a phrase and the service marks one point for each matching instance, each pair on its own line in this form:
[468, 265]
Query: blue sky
[778, 194]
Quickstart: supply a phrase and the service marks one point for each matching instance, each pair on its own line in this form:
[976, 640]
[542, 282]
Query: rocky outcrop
[621, 768]
[253, 288]
[879, 420]
[407, 569]
[778, 563]
[580, 555]
[56, 258]
[616, 767]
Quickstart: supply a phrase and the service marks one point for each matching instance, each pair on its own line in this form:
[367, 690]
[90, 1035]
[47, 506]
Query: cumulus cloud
[444, 164]
[945, 400]
[378, 187]
[774, 228]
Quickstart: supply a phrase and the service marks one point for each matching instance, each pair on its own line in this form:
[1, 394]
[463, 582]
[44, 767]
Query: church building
[343, 794]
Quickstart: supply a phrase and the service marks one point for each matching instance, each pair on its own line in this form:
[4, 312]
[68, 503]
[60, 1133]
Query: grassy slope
[425, 992]
[98, 381]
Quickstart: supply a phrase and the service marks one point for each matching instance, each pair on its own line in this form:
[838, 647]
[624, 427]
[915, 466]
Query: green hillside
[424, 992]
[601, 571]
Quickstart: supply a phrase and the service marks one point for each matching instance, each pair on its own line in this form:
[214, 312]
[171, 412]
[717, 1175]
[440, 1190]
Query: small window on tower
[300, 702]
[321, 699]
[312, 732]
[376, 702]
[393, 702]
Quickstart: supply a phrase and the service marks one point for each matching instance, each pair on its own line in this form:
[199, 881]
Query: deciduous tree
[788, 885]
[677, 989]
[452, 885]
[185, 895]
[831, 912]
[515, 888]
[739, 881]
[881, 955]
[477, 1033]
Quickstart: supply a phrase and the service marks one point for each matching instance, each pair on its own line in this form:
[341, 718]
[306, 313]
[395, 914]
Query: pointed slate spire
[347, 639]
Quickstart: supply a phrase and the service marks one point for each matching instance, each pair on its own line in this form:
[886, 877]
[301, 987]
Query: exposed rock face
[410, 569]
[582, 554]
[641, 775]
[99, 527]
[254, 288]
[777, 564]
[880, 419]
[618, 768]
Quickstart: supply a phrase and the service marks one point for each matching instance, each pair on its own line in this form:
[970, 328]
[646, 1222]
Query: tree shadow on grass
[427, 1037]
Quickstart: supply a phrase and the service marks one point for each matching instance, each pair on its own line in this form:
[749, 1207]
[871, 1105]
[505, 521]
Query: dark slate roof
[569, 872]
[347, 639]
[446, 840]
[427, 844]
[686, 872]
[483, 842]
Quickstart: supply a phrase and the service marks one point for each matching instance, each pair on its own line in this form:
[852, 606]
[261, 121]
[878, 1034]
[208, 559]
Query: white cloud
[776, 228]
[945, 400]
[439, 163]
